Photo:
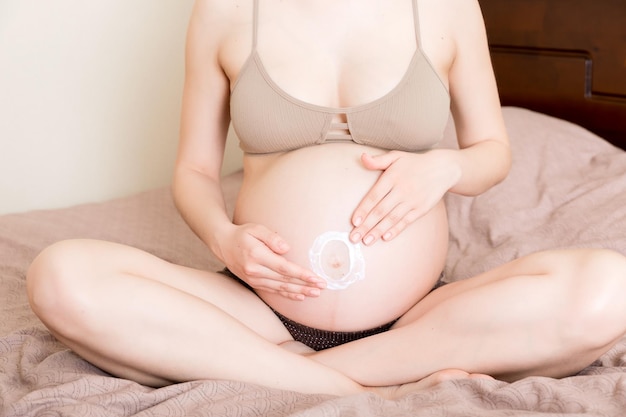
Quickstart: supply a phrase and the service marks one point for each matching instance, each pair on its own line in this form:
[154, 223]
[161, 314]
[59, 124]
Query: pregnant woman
[339, 238]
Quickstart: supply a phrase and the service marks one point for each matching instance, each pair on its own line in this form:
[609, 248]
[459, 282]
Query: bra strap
[416, 23]
[255, 22]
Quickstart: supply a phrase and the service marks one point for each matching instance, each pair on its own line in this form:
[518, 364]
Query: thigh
[519, 319]
[565, 270]
[90, 264]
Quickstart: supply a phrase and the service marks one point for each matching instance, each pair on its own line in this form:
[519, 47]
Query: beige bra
[411, 117]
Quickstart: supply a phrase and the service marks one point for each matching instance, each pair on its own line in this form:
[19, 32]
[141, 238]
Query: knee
[600, 277]
[51, 283]
[597, 290]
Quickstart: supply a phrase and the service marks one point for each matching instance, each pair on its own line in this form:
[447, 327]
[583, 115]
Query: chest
[335, 55]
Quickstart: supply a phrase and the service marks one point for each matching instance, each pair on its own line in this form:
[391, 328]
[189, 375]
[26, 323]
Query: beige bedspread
[567, 189]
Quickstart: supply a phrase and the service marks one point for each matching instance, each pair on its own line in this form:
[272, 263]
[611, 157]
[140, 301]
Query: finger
[263, 264]
[286, 286]
[291, 296]
[397, 228]
[293, 292]
[374, 215]
[380, 189]
[399, 219]
[285, 271]
[394, 217]
[372, 200]
[298, 292]
[379, 162]
[271, 239]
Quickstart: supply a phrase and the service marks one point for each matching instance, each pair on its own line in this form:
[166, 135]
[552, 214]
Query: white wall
[89, 99]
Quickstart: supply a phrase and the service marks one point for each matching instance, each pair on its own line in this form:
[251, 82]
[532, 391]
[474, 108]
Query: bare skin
[544, 314]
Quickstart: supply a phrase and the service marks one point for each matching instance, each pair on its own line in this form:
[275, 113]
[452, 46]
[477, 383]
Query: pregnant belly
[308, 197]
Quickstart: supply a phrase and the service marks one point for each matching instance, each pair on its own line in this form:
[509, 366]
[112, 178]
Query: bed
[561, 66]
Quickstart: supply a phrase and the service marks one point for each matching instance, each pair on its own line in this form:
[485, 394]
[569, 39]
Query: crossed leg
[550, 313]
[141, 318]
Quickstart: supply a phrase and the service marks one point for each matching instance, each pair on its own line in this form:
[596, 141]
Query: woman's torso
[306, 193]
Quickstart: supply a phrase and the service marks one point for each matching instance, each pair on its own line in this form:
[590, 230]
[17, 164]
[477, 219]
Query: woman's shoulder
[221, 26]
[459, 21]
[445, 26]
[222, 14]
[452, 14]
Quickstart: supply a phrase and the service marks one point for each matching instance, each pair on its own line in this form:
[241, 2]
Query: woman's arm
[204, 125]
[410, 185]
[484, 159]
[251, 251]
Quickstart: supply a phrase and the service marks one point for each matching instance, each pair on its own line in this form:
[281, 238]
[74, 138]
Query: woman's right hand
[255, 254]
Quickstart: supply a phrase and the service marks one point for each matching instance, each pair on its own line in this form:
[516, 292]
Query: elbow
[506, 160]
[176, 186]
[183, 179]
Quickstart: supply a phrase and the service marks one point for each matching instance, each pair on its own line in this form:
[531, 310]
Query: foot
[398, 391]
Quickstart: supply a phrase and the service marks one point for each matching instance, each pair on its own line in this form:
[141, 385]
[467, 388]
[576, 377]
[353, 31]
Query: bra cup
[266, 122]
[413, 119]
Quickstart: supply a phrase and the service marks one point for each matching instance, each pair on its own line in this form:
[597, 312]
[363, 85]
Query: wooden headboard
[565, 58]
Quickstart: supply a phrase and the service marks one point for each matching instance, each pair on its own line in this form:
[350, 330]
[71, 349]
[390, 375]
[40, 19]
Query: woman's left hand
[409, 186]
